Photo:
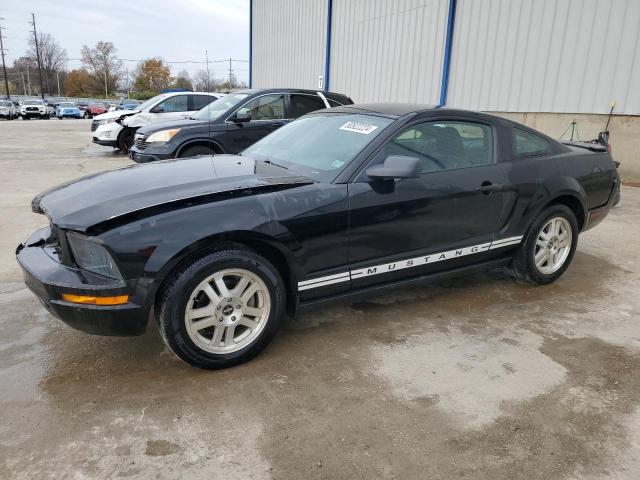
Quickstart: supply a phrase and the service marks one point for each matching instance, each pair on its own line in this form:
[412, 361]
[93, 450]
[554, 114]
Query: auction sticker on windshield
[358, 127]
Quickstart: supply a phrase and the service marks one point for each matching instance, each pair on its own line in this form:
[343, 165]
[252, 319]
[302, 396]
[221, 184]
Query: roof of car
[252, 91]
[387, 109]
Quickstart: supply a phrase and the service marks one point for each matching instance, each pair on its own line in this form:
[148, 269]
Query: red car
[97, 109]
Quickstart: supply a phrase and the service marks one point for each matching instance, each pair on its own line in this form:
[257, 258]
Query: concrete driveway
[478, 378]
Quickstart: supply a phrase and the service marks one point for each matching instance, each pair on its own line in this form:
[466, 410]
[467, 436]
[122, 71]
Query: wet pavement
[478, 377]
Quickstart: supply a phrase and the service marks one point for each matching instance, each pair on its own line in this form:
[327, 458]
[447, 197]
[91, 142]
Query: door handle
[488, 188]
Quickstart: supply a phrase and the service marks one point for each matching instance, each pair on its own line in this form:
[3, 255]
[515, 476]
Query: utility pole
[230, 74]
[28, 80]
[106, 92]
[4, 68]
[24, 85]
[35, 36]
[58, 79]
[206, 56]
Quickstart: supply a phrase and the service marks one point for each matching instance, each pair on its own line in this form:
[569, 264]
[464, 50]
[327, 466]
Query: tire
[559, 255]
[195, 151]
[184, 292]
[125, 139]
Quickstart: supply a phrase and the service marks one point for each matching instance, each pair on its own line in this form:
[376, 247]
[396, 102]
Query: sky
[175, 30]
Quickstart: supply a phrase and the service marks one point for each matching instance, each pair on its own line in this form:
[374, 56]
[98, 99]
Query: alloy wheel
[553, 245]
[227, 311]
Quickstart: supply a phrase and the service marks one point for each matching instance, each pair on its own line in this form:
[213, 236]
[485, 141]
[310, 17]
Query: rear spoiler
[594, 147]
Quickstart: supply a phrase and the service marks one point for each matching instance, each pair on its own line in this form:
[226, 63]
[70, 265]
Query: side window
[530, 145]
[201, 101]
[334, 103]
[174, 104]
[267, 107]
[303, 104]
[444, 145]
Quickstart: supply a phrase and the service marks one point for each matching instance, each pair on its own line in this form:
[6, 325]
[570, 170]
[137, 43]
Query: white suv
[117, 129]
[33, 108]
[7, 110]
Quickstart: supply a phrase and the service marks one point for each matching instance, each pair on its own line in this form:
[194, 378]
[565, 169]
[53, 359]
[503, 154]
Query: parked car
[67, 110]
[342, 201]
[117, 129]
[7, 110]
[130, 104]
[33, 109]
[230, 124]
[96, 109]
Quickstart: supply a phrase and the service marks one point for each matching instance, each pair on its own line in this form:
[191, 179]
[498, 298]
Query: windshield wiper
[265, 159]
[270, 162]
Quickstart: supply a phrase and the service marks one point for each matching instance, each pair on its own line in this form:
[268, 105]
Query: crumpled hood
[115, 114]
[94, 199]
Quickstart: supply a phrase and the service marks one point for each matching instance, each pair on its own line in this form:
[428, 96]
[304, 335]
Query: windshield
[149, 103]
[319, 146]
[219, 106]
[67, 105]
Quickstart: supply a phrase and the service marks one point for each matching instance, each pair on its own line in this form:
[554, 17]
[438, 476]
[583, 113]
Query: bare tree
[183, 80]
[103, 64]
[52, 56]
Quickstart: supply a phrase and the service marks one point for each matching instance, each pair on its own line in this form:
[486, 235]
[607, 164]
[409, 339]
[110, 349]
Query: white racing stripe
[407, 263]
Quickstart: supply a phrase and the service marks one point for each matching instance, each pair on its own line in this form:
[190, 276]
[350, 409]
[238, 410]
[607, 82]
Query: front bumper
[152, 153]
[48, 279]
[107, 134]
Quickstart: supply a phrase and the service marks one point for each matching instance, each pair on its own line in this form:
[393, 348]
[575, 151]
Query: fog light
[91, 300]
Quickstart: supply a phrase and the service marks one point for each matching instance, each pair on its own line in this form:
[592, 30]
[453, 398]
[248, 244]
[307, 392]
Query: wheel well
[202, 143]
[574, 204]
[261, 247]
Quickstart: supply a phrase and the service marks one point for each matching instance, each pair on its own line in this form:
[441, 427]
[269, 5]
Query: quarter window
[201, 101]
[444, 145]
[530, 145]
[266, 107]
[303, 104]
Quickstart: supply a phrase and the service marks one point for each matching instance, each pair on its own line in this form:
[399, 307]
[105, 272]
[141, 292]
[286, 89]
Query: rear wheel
[549, 246]
[196, 150]
[222, 309]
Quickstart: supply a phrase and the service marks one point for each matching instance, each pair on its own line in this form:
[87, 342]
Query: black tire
[126, 139]
[174, 297]
[523, 266]
[86, 115]
[196, 150]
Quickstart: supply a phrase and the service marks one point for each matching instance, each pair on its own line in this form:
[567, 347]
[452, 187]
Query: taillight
[609, 148]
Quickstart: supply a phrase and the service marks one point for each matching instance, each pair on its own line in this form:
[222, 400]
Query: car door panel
[413, 226]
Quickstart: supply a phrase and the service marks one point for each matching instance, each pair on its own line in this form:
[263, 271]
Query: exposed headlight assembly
[163, 136]
[92, 256]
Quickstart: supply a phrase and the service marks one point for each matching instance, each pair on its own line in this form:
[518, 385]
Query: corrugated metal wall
[574, 56]
[289, 38]
[546, 56]
[388, 51]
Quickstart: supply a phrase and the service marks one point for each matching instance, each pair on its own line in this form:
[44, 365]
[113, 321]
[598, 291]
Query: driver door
[400, 228]
[266, 114]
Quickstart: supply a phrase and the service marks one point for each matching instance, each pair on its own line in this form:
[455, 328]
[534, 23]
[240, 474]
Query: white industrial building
[541, 62]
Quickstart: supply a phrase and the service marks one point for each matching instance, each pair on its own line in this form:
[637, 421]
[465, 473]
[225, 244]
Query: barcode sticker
[358, 127]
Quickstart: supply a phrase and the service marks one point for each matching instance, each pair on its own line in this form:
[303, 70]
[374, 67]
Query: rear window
[530, 145]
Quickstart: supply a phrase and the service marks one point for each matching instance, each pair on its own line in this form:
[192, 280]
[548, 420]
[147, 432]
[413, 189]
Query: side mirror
[396, 166]
[241, 118]
[158, 109]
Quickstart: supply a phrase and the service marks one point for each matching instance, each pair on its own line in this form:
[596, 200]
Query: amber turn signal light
[92, 300]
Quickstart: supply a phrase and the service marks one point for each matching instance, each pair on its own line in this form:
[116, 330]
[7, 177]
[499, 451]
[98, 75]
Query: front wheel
[548, 248]
[195, 151]
[222, 309]
[126, 139]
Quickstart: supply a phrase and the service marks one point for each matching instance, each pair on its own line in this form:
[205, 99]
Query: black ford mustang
[340, 201]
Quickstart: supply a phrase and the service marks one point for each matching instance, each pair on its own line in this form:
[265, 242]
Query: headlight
[163, 136]
[93, 257]
[103, 122]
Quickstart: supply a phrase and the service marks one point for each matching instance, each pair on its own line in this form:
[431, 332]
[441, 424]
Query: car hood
[156, 127]
[115, 114]
[107, 197]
